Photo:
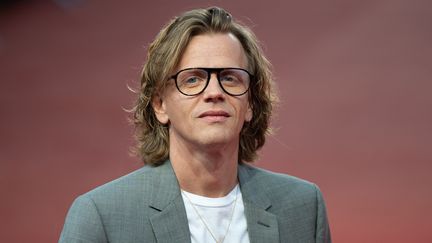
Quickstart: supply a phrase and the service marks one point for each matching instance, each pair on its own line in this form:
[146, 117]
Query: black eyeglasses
[193, 81]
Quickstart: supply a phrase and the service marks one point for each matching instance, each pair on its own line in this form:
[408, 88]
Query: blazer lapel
[169, 220]
[262, 224]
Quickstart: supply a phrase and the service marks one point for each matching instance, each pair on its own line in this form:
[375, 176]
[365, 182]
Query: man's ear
[249, 114]
[159, 108]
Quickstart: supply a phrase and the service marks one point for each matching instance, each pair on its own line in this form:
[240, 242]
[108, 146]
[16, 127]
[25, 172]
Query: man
[202, 112]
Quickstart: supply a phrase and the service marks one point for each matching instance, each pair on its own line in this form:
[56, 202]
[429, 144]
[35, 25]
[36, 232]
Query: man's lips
[214, 114]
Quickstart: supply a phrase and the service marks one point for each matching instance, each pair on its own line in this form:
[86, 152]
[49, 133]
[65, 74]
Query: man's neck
[206, 172]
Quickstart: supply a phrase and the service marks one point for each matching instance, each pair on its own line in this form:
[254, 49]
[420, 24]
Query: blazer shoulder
[271, 177]
[282, 187]
[123, 188]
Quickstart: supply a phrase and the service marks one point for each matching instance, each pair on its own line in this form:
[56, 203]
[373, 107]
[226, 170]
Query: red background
[355, 115]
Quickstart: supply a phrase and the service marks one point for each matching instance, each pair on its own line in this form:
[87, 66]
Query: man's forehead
[213, 50]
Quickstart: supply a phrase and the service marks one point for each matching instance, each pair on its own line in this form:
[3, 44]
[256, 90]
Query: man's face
[213, 117]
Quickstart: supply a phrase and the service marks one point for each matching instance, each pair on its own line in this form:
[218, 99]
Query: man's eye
[228, 78]
[191, 80]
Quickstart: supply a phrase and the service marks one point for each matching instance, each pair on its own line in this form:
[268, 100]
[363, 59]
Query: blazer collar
[251, 187]
[165, 186]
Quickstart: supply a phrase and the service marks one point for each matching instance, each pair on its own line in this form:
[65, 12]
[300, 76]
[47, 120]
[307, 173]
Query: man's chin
[218, 140]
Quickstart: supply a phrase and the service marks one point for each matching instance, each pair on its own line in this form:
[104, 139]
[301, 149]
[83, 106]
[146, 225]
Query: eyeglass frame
[209, 72]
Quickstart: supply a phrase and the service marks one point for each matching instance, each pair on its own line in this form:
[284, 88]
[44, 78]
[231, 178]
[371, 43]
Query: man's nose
[213, 91]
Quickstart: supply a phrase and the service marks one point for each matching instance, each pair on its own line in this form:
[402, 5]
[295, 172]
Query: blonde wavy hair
[163, 56]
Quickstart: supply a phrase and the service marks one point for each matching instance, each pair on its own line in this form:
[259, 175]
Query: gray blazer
[147, 206]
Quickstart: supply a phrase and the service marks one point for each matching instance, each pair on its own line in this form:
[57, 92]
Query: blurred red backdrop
[355, 115]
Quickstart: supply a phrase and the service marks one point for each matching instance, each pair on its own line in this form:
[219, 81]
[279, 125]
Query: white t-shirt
[216, 212]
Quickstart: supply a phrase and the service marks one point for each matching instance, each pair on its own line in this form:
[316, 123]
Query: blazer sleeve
[322, 226]
[83, 223]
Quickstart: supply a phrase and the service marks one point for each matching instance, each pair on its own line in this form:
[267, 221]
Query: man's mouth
[214, 116]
